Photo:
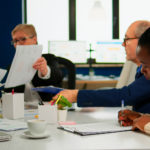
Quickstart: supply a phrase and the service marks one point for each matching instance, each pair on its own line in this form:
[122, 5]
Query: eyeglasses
[126, 39]
[21, 40]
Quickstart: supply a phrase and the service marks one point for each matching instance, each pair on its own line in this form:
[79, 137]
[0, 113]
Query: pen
[52, 102]
[122, 105]
[58, 99]
[122, 108]
[55, 101]
[12, 91]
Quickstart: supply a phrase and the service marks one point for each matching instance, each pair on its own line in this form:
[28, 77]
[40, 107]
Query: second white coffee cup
[37, 127]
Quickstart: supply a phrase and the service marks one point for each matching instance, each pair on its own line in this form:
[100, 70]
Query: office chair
[127, 75]
[69, 70]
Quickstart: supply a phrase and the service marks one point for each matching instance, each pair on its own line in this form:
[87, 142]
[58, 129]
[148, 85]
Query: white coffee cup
[37, 127]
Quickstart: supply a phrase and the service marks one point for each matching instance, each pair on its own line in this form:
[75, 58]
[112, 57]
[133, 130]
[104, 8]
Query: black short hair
[144, 40]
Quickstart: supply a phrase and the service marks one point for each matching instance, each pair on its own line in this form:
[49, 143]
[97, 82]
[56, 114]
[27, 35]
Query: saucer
[29, 135]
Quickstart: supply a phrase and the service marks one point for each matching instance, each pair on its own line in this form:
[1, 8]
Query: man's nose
[123, 44]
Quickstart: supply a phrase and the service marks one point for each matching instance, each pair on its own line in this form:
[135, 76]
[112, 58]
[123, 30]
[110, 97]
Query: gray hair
[142, 26]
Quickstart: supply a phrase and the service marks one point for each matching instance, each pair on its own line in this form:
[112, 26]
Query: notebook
[95, 128]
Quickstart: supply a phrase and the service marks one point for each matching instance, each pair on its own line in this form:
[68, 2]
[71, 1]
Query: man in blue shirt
[136, 94]
[127, 117]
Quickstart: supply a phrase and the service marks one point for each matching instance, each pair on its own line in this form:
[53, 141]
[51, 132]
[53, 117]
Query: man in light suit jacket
[136, 94]
[48, 71]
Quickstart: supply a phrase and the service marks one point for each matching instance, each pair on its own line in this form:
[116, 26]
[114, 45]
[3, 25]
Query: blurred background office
[88, 32]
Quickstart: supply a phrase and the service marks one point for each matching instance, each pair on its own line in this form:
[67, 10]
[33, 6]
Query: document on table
[21, 70]
[12, 125]
[95, 128]
[2, 74]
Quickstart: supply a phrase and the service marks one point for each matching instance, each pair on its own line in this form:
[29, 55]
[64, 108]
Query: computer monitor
[78, 51]
[110, 52]
[73, 50]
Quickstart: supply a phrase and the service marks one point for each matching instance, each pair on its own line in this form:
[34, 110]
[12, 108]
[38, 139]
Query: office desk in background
[63, 140]
[94, 82]
[90, 84]
[84, 81]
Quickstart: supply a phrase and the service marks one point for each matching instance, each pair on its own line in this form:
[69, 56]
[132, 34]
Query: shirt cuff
[47, 76]
[147, 128]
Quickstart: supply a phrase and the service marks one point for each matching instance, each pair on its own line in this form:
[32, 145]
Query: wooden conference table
[63, 140]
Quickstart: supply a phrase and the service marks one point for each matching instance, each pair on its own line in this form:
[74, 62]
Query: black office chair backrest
[70, 71]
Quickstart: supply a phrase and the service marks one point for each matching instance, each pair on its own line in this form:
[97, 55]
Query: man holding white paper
[48, 71]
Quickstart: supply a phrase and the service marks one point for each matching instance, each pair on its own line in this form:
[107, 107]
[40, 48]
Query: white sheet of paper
[21, 70]
[2, 74]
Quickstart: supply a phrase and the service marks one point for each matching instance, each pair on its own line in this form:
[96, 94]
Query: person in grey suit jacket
[136, 94]
[48, 71]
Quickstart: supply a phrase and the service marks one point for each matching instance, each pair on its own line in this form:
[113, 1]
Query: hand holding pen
[126, 117]
[61, 101]
[122, 108]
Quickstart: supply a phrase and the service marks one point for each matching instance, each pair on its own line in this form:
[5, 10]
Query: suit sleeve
[136, 94]
[55, 76]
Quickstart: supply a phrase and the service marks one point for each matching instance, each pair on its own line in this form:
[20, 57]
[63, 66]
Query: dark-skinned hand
[126, 117]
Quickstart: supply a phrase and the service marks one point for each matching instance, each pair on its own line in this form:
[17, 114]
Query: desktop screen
[78, 51]
[72, 50]
[110, 52]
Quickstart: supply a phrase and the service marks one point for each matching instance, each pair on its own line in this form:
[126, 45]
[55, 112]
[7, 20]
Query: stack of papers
[5, 137]
[95, 128]
[12, 125]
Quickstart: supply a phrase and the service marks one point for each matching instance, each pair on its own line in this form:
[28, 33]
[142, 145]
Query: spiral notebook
[95, 128]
